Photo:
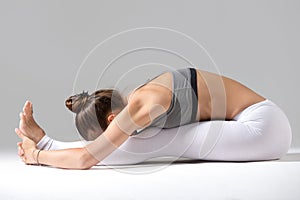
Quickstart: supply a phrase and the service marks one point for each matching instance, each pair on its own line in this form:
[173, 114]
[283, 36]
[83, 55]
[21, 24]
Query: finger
[20, 151]
[20, 133]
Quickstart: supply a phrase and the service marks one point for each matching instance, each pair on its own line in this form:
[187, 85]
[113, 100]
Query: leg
[260, 132]
[194, 141]
[47, 143]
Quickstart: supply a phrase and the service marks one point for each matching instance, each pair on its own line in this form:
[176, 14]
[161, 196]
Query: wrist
[35, 156]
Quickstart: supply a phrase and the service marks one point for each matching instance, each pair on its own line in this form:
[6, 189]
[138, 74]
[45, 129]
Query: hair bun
[76, 102]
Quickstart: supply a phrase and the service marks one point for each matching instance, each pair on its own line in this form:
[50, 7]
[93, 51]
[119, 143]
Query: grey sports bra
[184, 103]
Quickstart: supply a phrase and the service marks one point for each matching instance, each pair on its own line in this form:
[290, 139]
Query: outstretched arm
[31, 133]
[58, 158]
[75, 158]
[134, 116]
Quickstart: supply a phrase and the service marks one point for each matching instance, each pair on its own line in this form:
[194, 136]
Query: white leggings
[260, 132]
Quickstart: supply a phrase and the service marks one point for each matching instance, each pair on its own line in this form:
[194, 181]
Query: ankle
[39, 135]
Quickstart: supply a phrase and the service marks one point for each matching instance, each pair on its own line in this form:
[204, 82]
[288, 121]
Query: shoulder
[147, 104]
[157, 91]
[149, 95]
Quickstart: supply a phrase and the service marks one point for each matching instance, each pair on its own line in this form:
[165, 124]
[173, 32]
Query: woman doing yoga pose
[185, 103]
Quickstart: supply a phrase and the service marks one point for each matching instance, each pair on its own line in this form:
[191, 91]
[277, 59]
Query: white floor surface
[278, 179]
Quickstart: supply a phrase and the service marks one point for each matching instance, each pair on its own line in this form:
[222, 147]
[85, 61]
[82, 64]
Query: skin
[219, 97]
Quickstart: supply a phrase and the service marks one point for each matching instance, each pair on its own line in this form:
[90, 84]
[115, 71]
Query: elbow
[83, 167]
[135, 105]
[86, 160]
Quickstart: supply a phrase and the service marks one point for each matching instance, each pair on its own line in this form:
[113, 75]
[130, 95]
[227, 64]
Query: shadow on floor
[290, 157]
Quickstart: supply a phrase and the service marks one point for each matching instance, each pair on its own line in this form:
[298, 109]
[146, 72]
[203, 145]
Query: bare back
[219, 97]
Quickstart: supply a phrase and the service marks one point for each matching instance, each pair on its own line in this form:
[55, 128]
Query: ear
[110, 117]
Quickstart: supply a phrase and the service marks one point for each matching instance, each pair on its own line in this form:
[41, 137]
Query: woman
[251, 127]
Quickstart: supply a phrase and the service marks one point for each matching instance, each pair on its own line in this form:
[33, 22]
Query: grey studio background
[43, 43]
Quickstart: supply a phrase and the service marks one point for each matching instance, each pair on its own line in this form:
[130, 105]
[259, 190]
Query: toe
[22, 116]
[27, 109]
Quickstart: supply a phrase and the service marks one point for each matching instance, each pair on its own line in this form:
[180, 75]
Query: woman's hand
[26, 149]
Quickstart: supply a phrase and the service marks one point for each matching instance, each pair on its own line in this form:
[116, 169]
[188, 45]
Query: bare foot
[28, 125]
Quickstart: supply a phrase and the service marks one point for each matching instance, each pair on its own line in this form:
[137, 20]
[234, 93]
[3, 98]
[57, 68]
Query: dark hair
[92, 110]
